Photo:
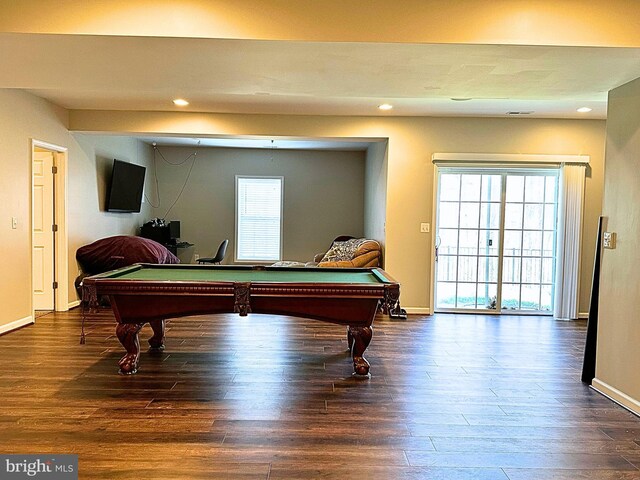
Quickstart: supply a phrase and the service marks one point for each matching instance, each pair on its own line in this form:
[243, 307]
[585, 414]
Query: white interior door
[42, 231]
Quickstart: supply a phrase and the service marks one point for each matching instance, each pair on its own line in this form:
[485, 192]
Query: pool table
[147, 293]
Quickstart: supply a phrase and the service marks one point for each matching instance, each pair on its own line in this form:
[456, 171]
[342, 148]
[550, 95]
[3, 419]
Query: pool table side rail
[107, 286]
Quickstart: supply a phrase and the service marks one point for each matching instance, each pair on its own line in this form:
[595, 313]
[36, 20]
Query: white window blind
[258, 218]
[570, 213]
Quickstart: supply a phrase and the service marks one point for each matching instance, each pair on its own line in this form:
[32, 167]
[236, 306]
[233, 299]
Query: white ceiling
[276, 77]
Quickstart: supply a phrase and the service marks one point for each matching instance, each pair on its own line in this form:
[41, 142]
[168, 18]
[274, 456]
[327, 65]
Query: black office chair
[222, 250]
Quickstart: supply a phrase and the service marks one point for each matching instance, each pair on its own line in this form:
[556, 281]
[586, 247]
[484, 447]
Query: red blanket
[119, 251]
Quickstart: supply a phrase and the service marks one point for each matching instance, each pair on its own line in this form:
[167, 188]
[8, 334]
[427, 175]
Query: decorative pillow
[343, 251]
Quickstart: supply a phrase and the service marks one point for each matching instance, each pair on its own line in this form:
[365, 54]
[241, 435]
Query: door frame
[61, 241]
[433, 239]
[487, 159]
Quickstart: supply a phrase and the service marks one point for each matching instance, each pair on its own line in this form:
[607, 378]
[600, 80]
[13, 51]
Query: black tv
[126, 187]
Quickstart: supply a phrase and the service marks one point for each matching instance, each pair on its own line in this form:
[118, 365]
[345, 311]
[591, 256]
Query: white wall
[375, 194]
[24, 117]
[618, 347]
[323, 196]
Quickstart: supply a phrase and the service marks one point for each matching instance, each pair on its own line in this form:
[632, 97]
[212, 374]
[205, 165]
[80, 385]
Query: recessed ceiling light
[461, 99]
[584, 109]
[180, 102]
[385, 106]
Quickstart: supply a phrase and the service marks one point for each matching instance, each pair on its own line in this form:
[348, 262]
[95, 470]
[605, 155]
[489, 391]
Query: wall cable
[186, 180]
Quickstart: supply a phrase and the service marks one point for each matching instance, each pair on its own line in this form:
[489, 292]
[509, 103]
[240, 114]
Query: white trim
[74, 304]
[508, 158]
[418, 310]
[479, 311]
[8, 327]
[48, 146]
[62, 244]
[62, 236]
[583, 315]
[617, 396]
[236, 242]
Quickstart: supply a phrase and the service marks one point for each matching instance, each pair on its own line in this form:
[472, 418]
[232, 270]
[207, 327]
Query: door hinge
[54, 228]
[54, 169]
[55, 285]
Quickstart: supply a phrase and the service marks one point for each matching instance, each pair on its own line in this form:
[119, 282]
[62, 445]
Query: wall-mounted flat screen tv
[126, 187]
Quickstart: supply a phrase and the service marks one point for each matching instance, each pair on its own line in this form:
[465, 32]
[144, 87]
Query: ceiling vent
[520, 113]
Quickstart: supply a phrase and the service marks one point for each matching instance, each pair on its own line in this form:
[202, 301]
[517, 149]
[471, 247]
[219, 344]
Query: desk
[145, 293]
[174, 247]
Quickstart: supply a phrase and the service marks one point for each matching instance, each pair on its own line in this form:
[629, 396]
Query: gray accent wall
[323, 195]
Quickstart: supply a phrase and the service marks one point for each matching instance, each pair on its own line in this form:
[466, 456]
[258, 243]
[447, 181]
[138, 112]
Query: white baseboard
[7, 327]
[583, 315]
[617, 396]
[73, 304]
[418, 310]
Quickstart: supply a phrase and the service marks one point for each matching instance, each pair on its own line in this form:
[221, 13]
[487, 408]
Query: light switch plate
[609, 240]
[14, 222]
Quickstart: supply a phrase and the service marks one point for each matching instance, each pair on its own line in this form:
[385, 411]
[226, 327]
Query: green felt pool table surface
[199, 273]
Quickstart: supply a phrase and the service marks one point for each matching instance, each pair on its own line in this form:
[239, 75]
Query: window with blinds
[259, 218]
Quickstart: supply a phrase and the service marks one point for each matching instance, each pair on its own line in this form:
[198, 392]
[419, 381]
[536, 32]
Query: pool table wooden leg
[359, 339]
[128, 335]
[157, 341]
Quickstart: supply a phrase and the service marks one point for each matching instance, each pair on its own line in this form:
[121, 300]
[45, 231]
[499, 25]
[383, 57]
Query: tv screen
[126, 187]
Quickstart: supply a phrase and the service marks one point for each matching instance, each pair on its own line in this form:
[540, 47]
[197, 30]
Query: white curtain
[570, 207]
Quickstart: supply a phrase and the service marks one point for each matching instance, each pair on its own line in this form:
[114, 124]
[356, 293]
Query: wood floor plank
[525, 445]
[562, 474]
[304, 472]
[520, 460]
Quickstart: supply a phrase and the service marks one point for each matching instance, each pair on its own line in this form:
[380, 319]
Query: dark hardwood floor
[266, 397]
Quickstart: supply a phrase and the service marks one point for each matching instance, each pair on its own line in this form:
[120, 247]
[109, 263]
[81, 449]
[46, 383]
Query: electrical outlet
[196, 256]
[14, 222]
[609, 240]
[424, 228]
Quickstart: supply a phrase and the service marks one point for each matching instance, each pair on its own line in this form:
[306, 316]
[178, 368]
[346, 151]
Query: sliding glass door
[495, 239]
[529, 243]
[468, 230]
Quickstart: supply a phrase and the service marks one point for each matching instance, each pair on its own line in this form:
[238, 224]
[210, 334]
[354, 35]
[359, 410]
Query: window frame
[238, 178]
